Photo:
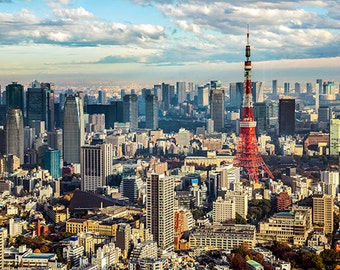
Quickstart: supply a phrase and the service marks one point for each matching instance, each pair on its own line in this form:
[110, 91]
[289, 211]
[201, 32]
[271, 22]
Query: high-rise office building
[329, 88]
[113, 112]
[52, 162]
[223, 210]
[73, 129]
[257, 91]
[236, 95]
[286, 88]
[55, 140]
[102, 97]
[97, 121]
[151, 112]
[129, 187]
[2, 246]
[217, 108]
[15, 134]
[260, 112]
[160, 209]
[29, 136]
[157, 91]
[274, 87]
[318, 86]
[297, 88]
[131, 110]
[181, 92]
[324, 114]
[334, 137]
[95, 166]
[15, 96]
[203, 96]
[309, 88]
[123, 238]
[166, 96]
[40, 104]
[215, 84]
[323, 212]
[122, 94]
[192, 90]
[286, 117]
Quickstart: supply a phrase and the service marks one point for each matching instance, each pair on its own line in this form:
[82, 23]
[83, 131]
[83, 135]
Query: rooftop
[253, 263]
[40, 256]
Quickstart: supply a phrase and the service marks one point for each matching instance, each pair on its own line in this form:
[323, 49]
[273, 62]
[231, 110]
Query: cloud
[117, 59]
[76, 13]
[73, 27]
[279, 29]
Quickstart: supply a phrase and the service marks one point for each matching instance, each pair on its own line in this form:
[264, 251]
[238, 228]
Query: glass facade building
[73, 128]
[52, 162]
[15, 96]
[40, 104]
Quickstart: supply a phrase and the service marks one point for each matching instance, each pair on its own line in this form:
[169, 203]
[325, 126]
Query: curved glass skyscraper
[15, 133]
[73, 129]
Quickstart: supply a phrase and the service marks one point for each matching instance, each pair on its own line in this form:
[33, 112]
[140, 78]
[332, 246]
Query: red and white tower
[247, 154]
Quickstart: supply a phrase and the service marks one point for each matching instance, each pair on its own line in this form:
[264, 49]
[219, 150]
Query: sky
[113, 44]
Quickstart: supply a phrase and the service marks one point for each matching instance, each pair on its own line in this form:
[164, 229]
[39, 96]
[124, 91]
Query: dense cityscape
[179, 176]
[112, 158]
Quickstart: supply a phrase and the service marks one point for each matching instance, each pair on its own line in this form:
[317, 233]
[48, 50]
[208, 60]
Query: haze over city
[122, 44]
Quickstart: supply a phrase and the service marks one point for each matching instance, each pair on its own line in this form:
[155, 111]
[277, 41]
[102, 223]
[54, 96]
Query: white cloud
[76, 13]
[74, 27]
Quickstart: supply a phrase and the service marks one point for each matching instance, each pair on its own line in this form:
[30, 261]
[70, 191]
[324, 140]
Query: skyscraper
[257, 91]
[203, 95]
[274, 87]
[318, 86]
[297, 88]
[166, 96]
[15, 96]
[217, 109]
[151, 112]
[324, 114]
[40, 104]
[286, 117]
[160, 209]
[2, 246]
[260, 110]
[131, 110]
[102, 97]
[123, 238]
[52, 162]
[29, 136]
[236, 96]
[323, 212]
[181, 92]
[95, 166]
[157, 91]
[15, 133]
[334, 137]
[309, 88]
[286, 88]
[73, 129]
[55, 140]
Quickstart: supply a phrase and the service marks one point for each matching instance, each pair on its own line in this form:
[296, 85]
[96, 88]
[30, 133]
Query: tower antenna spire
[248, 34]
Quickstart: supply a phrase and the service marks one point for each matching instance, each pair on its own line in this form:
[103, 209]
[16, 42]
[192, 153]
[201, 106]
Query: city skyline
[130, 44]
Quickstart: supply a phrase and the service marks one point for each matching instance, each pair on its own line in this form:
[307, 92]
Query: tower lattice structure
[247, 155]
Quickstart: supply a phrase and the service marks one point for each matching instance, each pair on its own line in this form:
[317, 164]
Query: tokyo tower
[247, 155]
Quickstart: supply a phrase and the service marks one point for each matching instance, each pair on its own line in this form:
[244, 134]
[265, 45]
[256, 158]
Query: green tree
[329, 258]
[240, 219]
[238, 262]
[197, 213]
